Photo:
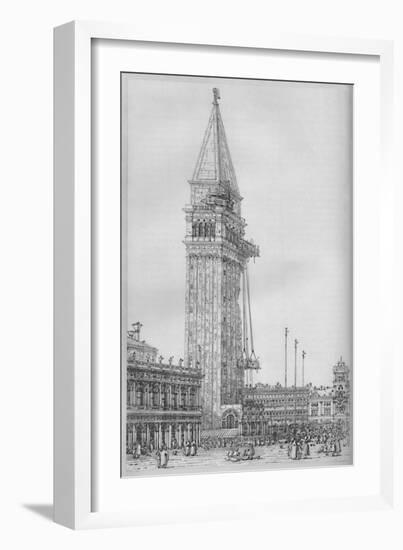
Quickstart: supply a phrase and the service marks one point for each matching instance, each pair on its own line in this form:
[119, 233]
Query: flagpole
[285, 357]
[295, 383]
[303, 378]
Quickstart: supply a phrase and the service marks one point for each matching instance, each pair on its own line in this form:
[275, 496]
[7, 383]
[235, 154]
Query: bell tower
[341, 391]
[216, 258]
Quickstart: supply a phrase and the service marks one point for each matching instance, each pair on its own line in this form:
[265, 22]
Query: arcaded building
[163, 398]
[268, 409]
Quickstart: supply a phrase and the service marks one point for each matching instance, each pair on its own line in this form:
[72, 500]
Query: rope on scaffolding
[245, 355]
[250, 315]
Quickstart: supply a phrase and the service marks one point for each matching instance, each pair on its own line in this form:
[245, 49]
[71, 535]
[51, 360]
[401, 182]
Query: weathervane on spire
[216, 94]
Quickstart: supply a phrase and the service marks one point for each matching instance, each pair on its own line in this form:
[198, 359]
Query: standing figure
[294, 449]
[137, 450]
[164, 457]
[158, 458]
[299, 449]
[306, 451]
[338, 444]
[289, 448]
[193, 449]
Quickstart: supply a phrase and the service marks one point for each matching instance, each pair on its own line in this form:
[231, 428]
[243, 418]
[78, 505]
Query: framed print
[216, 404]
[217, 224]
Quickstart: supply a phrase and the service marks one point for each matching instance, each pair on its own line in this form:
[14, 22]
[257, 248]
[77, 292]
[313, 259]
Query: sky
[291, 146]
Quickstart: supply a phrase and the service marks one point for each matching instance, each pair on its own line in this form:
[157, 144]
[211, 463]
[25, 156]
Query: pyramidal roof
[214, 164]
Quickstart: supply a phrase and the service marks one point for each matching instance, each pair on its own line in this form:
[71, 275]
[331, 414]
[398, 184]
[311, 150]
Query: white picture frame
[76, 472]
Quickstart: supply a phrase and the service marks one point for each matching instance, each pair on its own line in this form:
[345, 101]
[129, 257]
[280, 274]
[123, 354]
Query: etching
[214, 403]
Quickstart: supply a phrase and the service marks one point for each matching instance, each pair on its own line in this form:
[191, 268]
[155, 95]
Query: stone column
[147, 434]
[170, 436]
[150, 395]
[134, 394]
[159, 434]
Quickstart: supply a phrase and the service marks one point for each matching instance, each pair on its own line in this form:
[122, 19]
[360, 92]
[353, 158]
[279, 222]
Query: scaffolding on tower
[249, 361]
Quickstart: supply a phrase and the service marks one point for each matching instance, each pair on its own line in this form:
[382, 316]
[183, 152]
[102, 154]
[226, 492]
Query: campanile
[217, 254]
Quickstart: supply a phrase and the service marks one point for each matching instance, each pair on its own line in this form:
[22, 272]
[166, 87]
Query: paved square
[272, 456]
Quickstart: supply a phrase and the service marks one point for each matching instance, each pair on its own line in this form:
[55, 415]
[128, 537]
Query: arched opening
[230, 421]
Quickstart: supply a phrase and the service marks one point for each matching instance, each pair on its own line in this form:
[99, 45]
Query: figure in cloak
[299, 449]
[137, 450]
[164, 457]
[193, 449]
[187, 448]
[158, 457]
[338, 444]
[289, 448]
[294, 449]
[306, 451]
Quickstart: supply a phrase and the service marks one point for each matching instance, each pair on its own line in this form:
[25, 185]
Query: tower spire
[214, 164]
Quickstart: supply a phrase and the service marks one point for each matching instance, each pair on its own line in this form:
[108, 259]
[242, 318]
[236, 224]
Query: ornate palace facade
[163, 399]
[273, 408]
[216, 258]
[268, 409]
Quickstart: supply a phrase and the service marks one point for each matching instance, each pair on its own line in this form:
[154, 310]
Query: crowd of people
[161, 454]
[235, 442]
[188, 448]
[328, 440]
[243, 452]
